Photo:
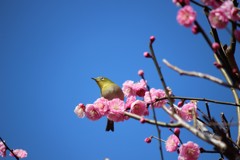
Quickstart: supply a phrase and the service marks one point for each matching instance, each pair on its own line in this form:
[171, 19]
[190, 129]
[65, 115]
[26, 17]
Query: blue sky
[49, 50]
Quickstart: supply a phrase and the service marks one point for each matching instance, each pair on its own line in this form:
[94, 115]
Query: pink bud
[152, 39]
[215, 46]
[177, 131]
[141, 72]
[147, 55]
[218, 65]
[148, 140]
[142, 120]
[180, 103]
[234, 70]
[195, 29]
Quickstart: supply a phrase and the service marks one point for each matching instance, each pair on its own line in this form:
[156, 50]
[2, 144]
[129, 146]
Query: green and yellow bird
[109, 90]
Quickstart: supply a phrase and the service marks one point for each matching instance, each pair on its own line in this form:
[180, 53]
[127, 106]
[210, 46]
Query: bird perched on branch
[109, 90]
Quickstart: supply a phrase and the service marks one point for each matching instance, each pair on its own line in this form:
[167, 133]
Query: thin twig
[201, 99]
[226, 125]
[198, 74]
[153, 122]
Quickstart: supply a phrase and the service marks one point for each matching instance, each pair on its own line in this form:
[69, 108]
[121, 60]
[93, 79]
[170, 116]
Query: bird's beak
[94, 79]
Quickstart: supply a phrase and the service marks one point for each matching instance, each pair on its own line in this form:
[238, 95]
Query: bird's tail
[110, 125]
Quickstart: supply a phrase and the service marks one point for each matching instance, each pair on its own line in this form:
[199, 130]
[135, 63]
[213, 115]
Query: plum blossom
[230, 11]
[116, 110]
[129, 101]
[139, 107]
[20, 153]
[134, 89]
[80, 110]
[92, 112]
[212, 3]
[152, 95]
[140, 88]
[186, 16]
[189, 151]
[102, 105]
[218, 18]
[187, 111]
[2, 149]
[128, 88]
[172, 143]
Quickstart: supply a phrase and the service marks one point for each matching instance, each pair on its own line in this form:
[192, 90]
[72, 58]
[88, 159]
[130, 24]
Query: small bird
[109, 90]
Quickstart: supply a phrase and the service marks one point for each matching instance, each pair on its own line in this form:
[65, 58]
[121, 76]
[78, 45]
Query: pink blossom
[132, 89]
[230, 11]
[128, 88]
[92, 112]
[172, 143]
[237, 35]
[20, 153]
[189, 151]
[186, 16]
[129, 101]
[150, 97]
[140, 88]
[80, 110]
[187, 111]
[102, 105]
[2, 149]
[218, 18]
[116, 110]
[139, 107]
[212, 3]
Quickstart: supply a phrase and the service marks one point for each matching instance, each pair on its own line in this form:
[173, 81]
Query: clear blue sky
[49, 50]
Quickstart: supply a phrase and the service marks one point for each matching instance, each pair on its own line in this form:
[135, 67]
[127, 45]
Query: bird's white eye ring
[102, 78]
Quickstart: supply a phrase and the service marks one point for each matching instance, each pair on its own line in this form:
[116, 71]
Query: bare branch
[198, 74]
[153, 122]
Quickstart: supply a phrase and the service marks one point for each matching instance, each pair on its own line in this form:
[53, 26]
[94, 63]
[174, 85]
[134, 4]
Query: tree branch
[198, 74]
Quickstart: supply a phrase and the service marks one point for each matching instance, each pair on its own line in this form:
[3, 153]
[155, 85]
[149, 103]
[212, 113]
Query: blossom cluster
[221, 12]
[114, 109]
[20, 153]
[187, 151]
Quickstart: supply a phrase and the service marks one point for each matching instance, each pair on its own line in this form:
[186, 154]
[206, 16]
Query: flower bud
[141, 72]
[142, 120]
[215, 46]
[152, 39]
[218, 65]
[147, 55]
[195, 29]
[177, 131]
[148, 140]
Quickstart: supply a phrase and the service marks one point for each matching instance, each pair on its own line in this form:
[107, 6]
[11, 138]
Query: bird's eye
[102, 78]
